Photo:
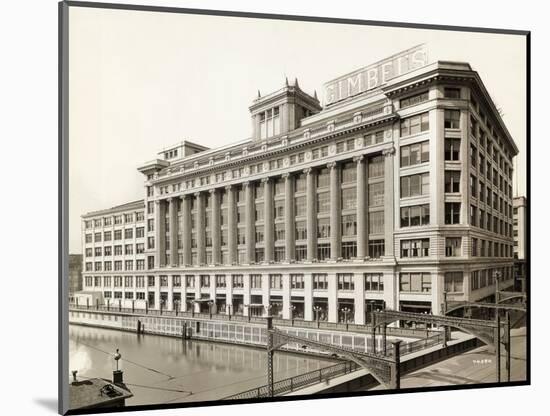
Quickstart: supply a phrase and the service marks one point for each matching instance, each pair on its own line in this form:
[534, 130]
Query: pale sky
[141, 81]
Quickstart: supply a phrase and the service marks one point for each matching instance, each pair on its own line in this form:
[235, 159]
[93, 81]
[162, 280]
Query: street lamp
[292, 308]
[210, 304]
[346, 311]
[372, 306]
[247, 311]
[176, 306]
[317, 310]
[268, 309]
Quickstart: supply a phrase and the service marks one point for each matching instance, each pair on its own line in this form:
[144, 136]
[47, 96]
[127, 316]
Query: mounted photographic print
[265, 207]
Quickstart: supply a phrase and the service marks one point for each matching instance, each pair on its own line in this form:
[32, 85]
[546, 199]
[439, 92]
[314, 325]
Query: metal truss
[384, 369]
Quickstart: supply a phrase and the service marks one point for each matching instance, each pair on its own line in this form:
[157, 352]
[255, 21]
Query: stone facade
[386, 198]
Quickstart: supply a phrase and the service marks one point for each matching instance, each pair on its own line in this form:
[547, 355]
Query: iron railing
[298, 323]
[291, 384]
[317, 376]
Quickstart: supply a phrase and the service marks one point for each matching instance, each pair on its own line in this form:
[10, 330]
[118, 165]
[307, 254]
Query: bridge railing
[298, 323]
[291, 384]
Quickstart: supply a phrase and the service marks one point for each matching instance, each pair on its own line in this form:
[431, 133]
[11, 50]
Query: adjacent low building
[395, 191]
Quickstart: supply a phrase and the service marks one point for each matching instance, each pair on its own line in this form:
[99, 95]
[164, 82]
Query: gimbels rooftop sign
[375, 75]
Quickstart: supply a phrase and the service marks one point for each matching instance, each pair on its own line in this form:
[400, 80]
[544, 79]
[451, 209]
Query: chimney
[74, 376]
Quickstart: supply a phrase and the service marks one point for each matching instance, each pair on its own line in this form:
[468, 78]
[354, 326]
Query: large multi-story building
[520, 239]
[75, 273]
[395, 191]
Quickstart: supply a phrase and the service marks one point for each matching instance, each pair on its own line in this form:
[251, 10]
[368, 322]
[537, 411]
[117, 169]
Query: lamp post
[345, 311]
[268, 309]
[372, 306]
[193, 308]
[292, 308]
[247, 311]
[317, 310]
[210, 304]
[176, 306]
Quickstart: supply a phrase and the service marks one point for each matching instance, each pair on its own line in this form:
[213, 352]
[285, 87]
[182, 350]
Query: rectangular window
[374, 282]
[453, 246]
[376, 248]
[452, 149]
[376, 167]
[415, 154]
[349, 198]
[349, 225]
[301, 230]
[275, 281]
[323, 202]
[323, 228]
[452, 181]
[349, 250]
[320, 282]
[415, 124]
[345, 281]
[451, 93]
[415, 282]
[237, 280]
[323, 252]
[415, 185]
[415, 248]
[452, 119]
[376, 194]
[256, 281]
[413, 99]
[376, 222]
[454, 282]
[296, 281]
[452, 212]
[300, 252]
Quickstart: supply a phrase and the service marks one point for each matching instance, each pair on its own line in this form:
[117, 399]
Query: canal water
[160, 369]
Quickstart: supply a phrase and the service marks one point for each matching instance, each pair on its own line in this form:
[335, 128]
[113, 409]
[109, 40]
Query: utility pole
[270, 352]
[497, 347]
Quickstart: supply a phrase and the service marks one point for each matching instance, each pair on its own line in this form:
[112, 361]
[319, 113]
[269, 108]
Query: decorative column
[173, 215]
[249, 224]
[311, 219]
[388, 201]
[268, 219]
[215, 226]
[361, 209]
[289, 218]
[308, 297]
[231, 224]
[160, 213]
[201, 248]
[332, 298]
[359, 298]
[335, 212]
[186, 229]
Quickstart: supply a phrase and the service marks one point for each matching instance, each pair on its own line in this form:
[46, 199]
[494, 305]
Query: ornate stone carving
[357, 117]
[388, 152]
[307, 134]
[265, 180]
[307, 171]
[358, 159]
[331, 165]
[331, 126]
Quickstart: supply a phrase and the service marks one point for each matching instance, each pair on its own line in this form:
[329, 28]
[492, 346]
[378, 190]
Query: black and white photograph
[263, 208]
[239, 208]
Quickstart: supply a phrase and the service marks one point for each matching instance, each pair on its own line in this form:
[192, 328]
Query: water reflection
[162, 369]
